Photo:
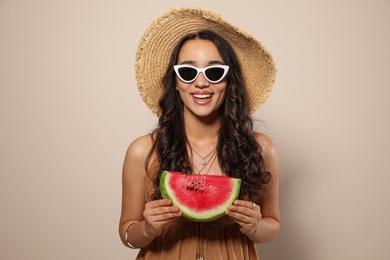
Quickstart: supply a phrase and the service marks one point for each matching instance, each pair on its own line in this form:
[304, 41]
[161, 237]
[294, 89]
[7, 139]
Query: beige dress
[219, 239]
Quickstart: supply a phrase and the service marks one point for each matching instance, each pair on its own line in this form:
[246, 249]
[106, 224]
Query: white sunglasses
[213, 74]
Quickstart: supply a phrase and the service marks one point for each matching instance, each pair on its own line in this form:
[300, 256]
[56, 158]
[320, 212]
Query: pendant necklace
[213, 153]
[213, 157]
[199, 252]
[204, 161]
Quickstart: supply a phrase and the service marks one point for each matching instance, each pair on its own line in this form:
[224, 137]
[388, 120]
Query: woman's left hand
[247, 214]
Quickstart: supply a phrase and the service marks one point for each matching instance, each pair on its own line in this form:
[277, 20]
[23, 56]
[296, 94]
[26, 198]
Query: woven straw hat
[162, 36]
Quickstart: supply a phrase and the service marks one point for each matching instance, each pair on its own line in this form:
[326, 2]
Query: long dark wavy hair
[239, 154]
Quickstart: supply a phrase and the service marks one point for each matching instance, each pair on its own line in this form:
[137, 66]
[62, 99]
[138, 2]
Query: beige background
[69, 107]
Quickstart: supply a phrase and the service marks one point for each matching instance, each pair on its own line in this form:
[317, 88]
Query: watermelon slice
[200, 197]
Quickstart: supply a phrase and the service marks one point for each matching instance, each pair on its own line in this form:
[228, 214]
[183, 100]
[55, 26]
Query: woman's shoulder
[142, 140]
[266, 144]
[140, 147]
[269, 154]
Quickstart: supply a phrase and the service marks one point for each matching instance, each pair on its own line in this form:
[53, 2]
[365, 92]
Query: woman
[204, 104]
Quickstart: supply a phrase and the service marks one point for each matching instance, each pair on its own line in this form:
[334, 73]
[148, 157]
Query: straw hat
[162, 36]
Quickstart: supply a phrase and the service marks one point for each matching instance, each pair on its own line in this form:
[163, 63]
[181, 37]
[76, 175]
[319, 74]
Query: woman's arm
[262, 222]
[146, 220]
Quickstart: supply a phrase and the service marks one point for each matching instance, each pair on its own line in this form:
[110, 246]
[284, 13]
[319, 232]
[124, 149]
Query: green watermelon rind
[204, 216]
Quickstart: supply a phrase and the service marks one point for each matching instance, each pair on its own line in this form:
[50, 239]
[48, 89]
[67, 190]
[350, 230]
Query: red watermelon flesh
[200, 197]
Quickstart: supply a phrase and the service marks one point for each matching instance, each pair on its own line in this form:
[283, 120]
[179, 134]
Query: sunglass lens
[214, 74]
[187, 73]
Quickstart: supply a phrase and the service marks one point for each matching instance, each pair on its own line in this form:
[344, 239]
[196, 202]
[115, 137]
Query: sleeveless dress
[183, 239]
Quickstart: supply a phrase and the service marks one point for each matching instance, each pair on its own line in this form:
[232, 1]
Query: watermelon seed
[196, 186]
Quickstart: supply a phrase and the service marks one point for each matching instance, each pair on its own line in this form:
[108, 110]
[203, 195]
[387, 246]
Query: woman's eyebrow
[215, 62]
[190, 62]
[212, 62]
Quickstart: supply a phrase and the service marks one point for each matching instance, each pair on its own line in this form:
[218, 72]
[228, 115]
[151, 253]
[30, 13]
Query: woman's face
[201, 97]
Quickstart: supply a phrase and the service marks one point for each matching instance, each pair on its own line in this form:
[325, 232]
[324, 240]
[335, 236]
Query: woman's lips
[202, 98]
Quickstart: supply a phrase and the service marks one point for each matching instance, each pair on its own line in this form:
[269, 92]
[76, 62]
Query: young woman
[207, 95]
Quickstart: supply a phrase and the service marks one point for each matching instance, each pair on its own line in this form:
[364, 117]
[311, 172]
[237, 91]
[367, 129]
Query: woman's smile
[202, 98]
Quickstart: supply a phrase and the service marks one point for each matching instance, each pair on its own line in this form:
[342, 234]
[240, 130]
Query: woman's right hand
[157, 214]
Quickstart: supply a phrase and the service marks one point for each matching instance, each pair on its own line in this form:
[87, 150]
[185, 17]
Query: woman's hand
[247, 214]
[157, 214]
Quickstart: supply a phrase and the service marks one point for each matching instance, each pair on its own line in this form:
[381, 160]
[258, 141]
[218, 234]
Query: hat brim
[162, 36]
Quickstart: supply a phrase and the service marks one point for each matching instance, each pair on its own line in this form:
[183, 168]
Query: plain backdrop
[69, 108]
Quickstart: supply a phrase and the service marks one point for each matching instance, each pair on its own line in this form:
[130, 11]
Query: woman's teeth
[202, 96]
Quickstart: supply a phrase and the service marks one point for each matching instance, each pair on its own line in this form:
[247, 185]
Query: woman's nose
[201, 81]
